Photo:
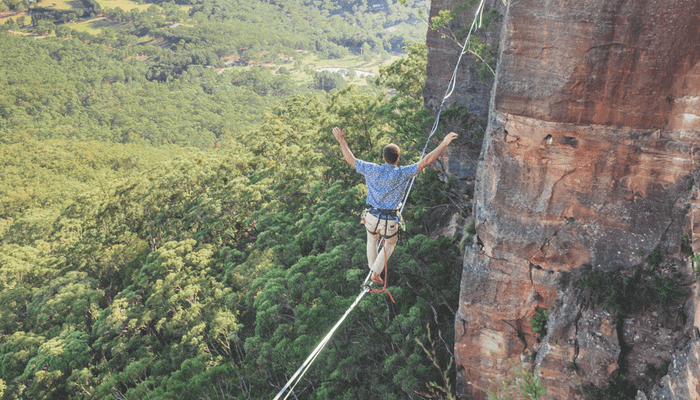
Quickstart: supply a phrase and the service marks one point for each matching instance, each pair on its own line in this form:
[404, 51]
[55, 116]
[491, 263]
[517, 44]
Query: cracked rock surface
[590, 158]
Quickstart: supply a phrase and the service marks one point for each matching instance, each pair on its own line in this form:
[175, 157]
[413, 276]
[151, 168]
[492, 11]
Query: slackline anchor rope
[312, 357]
[366, 288]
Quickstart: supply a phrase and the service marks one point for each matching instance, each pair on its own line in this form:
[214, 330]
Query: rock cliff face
[588, 175]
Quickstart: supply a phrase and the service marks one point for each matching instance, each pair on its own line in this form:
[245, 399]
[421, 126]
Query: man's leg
[372, 239]
[372, 244]
[387, 228]
[384, 254]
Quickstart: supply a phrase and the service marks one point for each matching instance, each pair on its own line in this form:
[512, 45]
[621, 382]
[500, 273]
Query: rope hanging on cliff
[366, 288]
[450, 88]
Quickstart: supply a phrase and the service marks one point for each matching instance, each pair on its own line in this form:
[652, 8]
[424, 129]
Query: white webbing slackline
[312, 357]
[296, 378]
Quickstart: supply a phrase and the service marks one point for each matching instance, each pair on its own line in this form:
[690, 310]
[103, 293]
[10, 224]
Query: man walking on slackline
[386, 184]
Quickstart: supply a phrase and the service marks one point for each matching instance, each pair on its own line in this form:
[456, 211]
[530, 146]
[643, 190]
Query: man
[386, 184]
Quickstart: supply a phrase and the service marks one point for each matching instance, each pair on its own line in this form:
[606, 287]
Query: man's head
[391, 154]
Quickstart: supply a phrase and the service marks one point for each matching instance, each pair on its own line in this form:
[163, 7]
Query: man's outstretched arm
[433, 155]
[340, 137]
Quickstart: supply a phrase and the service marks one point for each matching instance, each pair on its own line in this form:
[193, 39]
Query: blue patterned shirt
[386, 183]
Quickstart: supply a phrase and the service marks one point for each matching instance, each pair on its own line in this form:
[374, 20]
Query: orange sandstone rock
[592, 143]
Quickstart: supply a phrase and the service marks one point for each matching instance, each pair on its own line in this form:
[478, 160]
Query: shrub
[617, 292]
[617, 388]
[523, 385]
[654, 259]
[539, 322]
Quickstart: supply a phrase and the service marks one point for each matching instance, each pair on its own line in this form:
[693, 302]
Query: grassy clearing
[60, 4]
[353, 61]
[313, 62]
[11, 15]
[95, 26]
[86, 26]
[126, 5]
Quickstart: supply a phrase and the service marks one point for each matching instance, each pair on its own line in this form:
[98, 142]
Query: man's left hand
[449, 138]
[339, 134]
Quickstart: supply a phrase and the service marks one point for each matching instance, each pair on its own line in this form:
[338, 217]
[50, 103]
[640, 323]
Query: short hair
[391, 153]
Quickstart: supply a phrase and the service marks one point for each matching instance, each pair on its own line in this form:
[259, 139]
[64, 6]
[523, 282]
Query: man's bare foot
[376, 278]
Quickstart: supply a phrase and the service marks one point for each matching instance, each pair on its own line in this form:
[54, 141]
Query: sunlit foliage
[205, 270]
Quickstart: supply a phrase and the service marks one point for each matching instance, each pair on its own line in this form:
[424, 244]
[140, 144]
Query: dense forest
[177, 222]
[136, 79]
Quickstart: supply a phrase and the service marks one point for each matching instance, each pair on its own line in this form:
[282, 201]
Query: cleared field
[57, 4]
[128, 5]
[60, 4]
[96, 25]
[10, 15]
[87, 26]
[354, 61]
[125, 5]
[310, 63]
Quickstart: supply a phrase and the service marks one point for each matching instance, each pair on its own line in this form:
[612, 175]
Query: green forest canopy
[189, 73]
[163, 236]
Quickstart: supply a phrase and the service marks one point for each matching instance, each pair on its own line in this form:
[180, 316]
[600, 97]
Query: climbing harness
[366, 288]
[383, 215]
